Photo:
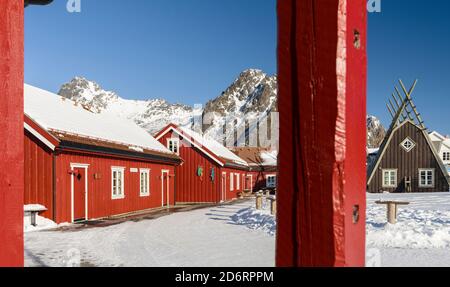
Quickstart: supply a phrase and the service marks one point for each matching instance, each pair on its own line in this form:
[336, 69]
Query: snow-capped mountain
[252, 94]
[151, 114]
[375, 132]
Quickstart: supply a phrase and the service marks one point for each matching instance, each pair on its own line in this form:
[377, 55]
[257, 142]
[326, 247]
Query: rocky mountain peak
[375, 132]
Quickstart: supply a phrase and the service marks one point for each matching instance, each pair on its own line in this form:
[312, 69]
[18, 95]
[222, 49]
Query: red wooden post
[11, 133]
[322, 99]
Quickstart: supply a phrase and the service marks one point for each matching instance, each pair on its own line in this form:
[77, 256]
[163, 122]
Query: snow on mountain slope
[152, 115]
[375, 132]
[251, 95]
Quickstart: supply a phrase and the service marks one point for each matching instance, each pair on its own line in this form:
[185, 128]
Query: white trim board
[39, 136]
[163, 171]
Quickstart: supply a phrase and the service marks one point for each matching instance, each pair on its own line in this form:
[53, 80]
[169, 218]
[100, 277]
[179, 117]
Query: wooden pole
[392, 213]
[322, 102]
[259, 201]
[11, 133]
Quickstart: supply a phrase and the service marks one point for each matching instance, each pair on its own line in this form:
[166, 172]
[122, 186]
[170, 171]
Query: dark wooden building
[407, 160]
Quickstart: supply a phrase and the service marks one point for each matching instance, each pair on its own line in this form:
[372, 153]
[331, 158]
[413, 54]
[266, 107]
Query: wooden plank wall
[408, 163]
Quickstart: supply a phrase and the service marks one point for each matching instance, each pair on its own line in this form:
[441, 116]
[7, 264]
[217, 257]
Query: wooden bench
[33, 210]
[392, 207]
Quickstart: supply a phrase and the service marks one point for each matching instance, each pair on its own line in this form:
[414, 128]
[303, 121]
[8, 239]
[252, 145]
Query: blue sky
[411, 39]
[188, 51]
[185, 51]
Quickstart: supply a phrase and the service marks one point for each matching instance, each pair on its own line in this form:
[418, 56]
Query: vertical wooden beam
[322, 100]
[11, 132]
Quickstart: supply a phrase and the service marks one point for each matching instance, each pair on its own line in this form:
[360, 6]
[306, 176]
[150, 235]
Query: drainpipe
[175, 185]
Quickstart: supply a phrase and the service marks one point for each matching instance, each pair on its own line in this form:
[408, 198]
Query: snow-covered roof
[372, 150]
[440, 140]
[55, 113]
[212, 145]
[435, 136]
[269, 157]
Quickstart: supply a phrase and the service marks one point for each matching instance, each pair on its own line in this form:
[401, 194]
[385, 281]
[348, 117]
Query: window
[407, 144]
[117, 179]
[144, 182]
[426, 177]
[446, 156]
[231, 182]
[389, 178]
[271, 181]
[174, 145]
[238, 182]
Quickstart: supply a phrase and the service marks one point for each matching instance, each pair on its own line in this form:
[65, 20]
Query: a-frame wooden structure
[407, 160]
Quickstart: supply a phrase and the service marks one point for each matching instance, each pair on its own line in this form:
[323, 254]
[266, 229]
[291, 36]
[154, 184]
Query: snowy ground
[421, 236]
[218, 236]
[238, 235]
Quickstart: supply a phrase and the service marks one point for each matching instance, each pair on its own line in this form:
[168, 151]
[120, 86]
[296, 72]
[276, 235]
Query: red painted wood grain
[11, 132]
[322, 98]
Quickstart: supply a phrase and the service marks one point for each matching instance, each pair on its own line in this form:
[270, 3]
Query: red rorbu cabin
[81, 165]
[263, 167]
[210, 172]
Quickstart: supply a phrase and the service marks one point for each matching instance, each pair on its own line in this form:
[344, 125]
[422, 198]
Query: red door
[79, 194]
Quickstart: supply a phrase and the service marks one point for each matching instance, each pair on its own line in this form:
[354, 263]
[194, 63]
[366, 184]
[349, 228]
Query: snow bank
[42, 223]
[424, 224]
[256, 219]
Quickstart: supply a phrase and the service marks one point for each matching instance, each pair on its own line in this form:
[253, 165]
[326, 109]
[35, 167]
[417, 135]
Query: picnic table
[33, 210]
[392, 207]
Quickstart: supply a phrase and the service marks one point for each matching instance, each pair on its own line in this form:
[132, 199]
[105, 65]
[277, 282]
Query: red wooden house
[82, 165]
[210, 172]
[263, 167]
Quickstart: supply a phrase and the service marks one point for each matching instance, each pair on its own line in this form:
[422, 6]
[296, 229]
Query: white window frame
[268, 184]
[231, 182]
[146, 172]
[446, 156]
[413, 144]
[390, 171]
[426, 170]
[238, 181]
[174, 141]
[122, 172]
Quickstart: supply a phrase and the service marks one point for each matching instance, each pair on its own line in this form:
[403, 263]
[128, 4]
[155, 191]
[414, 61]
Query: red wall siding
[191, 188]
[259, 179]
[38, 174]
[232, 194]
[100, 203]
